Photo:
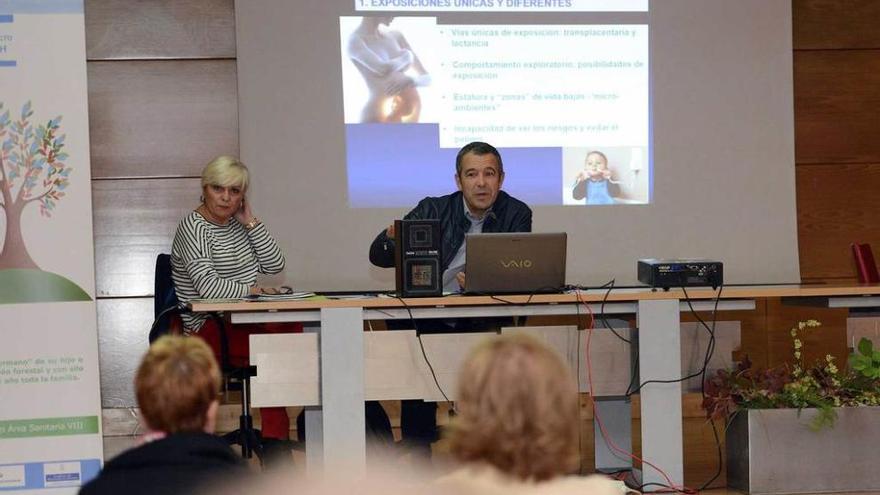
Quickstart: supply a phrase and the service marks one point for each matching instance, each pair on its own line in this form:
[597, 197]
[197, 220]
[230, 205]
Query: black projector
[680, 273]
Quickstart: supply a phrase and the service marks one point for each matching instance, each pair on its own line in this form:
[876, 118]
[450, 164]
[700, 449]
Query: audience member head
[518, 410]
[177, 385]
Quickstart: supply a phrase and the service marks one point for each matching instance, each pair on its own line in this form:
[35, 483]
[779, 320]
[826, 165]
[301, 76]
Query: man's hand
[460, 277]
[390, 231]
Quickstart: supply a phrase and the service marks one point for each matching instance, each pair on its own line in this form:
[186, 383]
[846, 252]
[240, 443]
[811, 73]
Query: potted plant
[807, 427]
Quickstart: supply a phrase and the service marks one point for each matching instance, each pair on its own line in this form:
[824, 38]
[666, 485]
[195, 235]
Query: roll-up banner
[50, 404]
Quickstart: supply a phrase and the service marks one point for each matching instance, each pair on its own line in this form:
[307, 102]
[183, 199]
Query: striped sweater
[210, 261]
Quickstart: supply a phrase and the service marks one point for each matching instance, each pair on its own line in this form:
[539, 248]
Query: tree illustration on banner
[33, 170]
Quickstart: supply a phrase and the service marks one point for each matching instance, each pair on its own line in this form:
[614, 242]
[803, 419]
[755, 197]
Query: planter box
[775, 451]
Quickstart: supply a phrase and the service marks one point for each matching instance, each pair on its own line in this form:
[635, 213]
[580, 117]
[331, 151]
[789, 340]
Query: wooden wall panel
[835, 24]
[837, 106]
[830, 338]
[146, 29]
[161, 118]
[123, 328]
[753, 334]
[837, 204]
[134, 221]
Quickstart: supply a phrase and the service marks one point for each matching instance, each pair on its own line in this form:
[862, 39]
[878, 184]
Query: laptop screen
[510, 263]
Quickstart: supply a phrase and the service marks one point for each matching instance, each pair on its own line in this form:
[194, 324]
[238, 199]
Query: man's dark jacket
[177, 464]
[507, 214]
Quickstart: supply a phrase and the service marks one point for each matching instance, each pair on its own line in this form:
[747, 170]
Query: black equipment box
[418, 258]
[680, 273]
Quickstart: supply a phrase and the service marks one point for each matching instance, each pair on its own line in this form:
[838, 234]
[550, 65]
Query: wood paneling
[699, 447]
[161, 118]
[753, 334]
[835, 24]
[837, 204]
[830, 338]
[765, 336]
[122, 29]
[123, 327]
[701, 452]
[837, 106]
[134, 221]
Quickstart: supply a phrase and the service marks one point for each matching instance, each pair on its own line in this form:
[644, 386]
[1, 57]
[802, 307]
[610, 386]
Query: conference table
[335, 420]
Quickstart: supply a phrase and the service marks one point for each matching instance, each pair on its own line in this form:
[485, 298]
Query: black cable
[674, 380]
[634, 372]
[668, 489]
[709, 353]
[610, 286]
[602, 314]
[577, 308]
[710, 349]
[424, 354]
[634, 364]
[422, 345]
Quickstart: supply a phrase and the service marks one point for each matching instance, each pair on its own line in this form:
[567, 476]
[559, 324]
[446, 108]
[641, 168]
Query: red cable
[589, 310]
[673, 486]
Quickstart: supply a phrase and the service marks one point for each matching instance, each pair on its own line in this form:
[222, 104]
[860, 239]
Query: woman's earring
[202, 199]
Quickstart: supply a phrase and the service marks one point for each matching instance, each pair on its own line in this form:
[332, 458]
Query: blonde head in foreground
[517, 410]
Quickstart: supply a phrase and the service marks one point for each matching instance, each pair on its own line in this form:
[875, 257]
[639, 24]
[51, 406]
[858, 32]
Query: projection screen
[352, 110]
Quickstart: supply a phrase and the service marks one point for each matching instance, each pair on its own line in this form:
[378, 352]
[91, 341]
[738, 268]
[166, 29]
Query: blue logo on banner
[5, 39]
[41, 6]
[55, 478]
[42, 475]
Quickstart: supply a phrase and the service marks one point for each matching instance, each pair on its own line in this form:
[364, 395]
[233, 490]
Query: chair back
[866, 268]
[166, 306]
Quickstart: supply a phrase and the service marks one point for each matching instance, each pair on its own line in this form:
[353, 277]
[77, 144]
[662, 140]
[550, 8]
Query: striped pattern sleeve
[270, 260]
[211, 261]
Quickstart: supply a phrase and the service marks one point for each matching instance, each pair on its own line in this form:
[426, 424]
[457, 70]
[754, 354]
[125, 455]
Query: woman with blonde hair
[218, 251]
[517, 422]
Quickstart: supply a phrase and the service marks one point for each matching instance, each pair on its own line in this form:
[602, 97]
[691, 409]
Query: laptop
[508, 263]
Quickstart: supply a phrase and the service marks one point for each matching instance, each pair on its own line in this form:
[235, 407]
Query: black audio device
[680, 273]
[418, 258]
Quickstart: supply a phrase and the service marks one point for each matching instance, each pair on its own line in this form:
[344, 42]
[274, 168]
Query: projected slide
[567, 105]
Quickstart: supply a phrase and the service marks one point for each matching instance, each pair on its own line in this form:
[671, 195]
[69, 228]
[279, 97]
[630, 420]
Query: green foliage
[866, 360]
[820, 386]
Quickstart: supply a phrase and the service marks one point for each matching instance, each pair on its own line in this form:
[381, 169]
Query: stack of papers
[351, 296]
[281, 297]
